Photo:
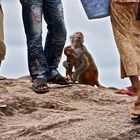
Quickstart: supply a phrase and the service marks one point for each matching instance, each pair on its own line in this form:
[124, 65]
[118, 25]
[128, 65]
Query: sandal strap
[60, 77]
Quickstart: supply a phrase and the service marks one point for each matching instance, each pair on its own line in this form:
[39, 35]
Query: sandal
[40, 86]
[136, 119]
[59, 79]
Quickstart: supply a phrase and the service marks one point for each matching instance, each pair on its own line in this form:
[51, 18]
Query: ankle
[136, 86]
[137, 102]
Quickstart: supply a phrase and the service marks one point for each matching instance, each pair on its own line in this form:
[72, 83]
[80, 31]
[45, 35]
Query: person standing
[127, 36]
[43, 63]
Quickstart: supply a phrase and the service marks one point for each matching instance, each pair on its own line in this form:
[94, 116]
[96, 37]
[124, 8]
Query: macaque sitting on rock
[78, 57]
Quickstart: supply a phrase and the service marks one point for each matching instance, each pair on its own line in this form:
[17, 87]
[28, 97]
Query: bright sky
[98, 40]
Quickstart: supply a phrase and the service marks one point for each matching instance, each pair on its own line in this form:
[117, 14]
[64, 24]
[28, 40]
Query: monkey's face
[77, 40]
[69, 51]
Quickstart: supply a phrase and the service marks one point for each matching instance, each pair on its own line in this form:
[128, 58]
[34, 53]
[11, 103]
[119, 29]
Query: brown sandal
[40, 82]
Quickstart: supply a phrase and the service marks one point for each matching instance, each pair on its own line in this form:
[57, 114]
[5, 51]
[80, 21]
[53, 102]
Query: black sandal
[59, 79]
[38, 82]
[136, 119]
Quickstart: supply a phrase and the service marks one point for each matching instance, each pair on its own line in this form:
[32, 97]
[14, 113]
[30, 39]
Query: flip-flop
[125, 91]
[40, 82]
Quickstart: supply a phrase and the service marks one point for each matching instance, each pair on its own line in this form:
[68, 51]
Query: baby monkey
[78, 57]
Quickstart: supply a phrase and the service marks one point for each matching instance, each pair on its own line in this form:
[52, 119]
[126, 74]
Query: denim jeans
[43, 62]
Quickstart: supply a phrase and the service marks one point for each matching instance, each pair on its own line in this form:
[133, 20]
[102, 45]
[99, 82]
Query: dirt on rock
[77, 112]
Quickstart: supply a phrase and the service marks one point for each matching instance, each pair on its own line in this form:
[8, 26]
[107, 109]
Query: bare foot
[136, 109]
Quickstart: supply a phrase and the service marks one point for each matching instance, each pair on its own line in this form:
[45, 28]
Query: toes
[41, 87]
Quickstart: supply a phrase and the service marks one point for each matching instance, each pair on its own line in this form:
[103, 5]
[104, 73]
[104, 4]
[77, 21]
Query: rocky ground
[79, 112]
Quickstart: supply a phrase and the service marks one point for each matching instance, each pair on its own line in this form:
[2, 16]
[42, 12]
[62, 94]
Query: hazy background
[98, 39]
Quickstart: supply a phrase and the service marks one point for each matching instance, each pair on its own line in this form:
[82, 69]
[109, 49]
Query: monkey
[86, 71]
[76, 59]
[69, 63]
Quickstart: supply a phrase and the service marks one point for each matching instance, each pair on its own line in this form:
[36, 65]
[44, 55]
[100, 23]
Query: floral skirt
[127, 36]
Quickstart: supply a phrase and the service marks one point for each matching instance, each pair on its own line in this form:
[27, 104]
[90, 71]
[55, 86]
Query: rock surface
[79, 112]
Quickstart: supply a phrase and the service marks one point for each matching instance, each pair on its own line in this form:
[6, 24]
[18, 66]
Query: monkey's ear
[71, 37]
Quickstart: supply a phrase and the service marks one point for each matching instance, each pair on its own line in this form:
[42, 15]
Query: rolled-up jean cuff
[41, 76]
[54, 72]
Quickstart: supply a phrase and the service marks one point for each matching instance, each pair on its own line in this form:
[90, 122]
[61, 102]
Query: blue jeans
[43, 62]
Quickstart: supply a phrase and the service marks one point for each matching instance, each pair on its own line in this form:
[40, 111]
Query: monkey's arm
[83, 67]
[68, 66]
